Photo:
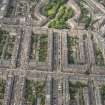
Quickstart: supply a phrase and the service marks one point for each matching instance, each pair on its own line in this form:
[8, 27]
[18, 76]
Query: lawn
[6, 44]
[39, 45]
[3, 37]
[74, 89]
[102, 92]
[35, 90]
[50, 10]
[58, 13]
[2, 90]
[59, 22]
[99, 56]
[9, 47]
[71, 45]
[43, 48]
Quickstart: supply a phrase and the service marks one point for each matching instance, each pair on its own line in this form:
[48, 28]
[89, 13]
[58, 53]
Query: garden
[43, 48]
[3, 37]
[74, 89]
[35, 90]
[59, 22]
[99, 56]
[10, 47]
[39, 45]
[6, 44]
[2, 90]
[102, 91]
[72, 42]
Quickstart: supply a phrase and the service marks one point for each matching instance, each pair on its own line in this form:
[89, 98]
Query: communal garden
[35, 92]
[9, 11]
[11, 8]
[99, 56]
[72, 43]
[3, 37]
[43, 48]
[39, 46]
[2, 90]
[102, 91]
[76, 89]
[10, 47]
[6, 44]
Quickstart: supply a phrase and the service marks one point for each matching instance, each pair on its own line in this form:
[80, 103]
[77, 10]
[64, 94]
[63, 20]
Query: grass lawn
[35, 90]
[71, 43]
[58, 13]
[74, 88]
[43, 48]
